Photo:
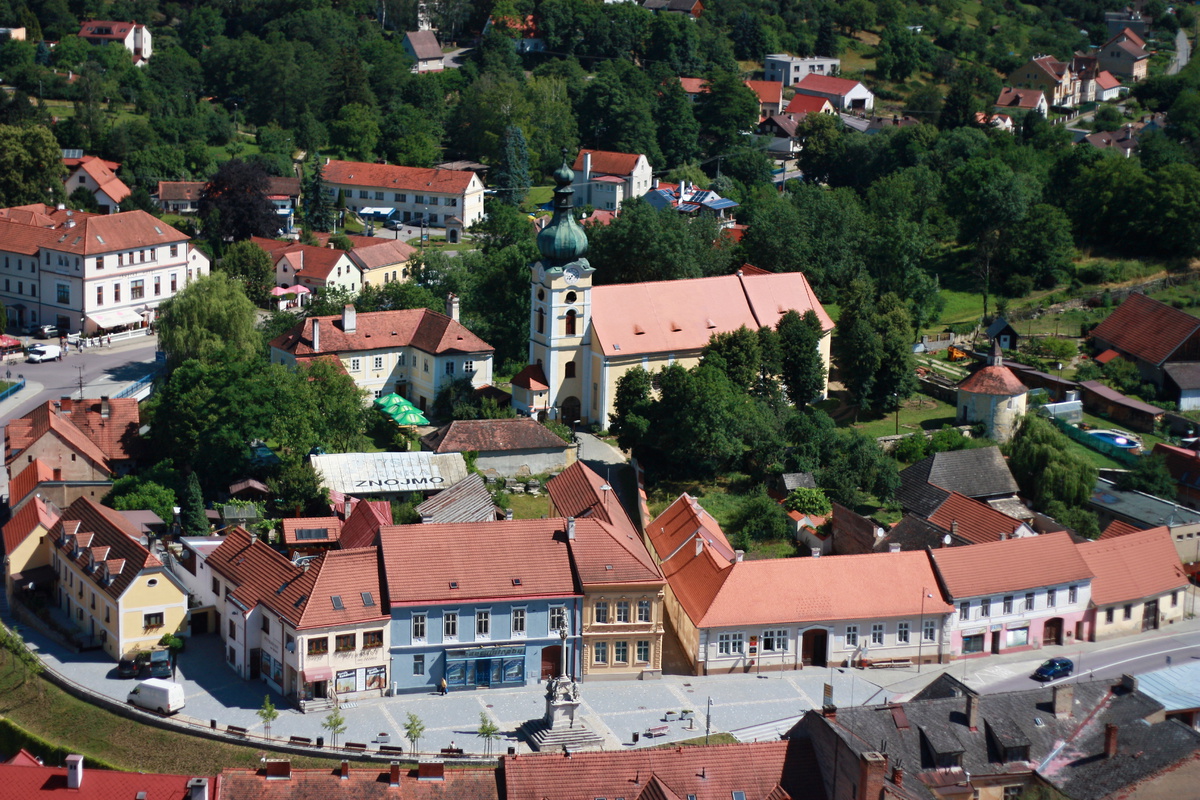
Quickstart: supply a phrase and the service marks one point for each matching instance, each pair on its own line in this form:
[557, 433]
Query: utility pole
[79, 368]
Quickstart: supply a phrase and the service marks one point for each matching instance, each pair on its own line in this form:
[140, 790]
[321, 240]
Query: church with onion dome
[583, 338]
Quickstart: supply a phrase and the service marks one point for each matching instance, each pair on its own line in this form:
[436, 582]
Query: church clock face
[571, 275]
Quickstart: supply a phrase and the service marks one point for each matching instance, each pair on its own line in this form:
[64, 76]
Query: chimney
[349, 319]
[316, 335]
[452, 306]
[954, 528]
[345, 770]
[75, 771]
[897, 776]
[739, 556]
[65, 403]
[426, 519]
[872, 773]
[1129, 683]
[278, 769]
[394, 774]
[58, 473]
[829, 712]
[508, 515]
[431, 771]
[654, 184]
[972, 711]
[1003, 535]
[893, 547]
[105, 407]
[1110, 740]
[197, 789]
[587, 166]
[699, 545]
[815, 552]
[570, 528]
[1064, 700]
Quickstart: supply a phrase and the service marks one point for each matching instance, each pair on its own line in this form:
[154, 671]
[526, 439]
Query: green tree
[803, 367]
[758, 518]
[82, 199]
[234, 204]
[820, 138]
[808, 501]
[857, 346]
[297, 489]
[1150, 475]
[268, 714]
[512, 175]
[633, 407]
[317, 211]
[489, 731]
[414, 728]
[210, 316]
[678, 130]
[335, 723]
[131, 493]
[726, 111]
[736, 353]
[899, 54]
[355, 133]
[191, 511]
[31, 168]
[251, 265]
[857, 466]
[1045, 468]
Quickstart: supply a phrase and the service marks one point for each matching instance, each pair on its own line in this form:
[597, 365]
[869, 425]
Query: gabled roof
[1028, 99]
[24, 431]
[382, 253]
[1185, 374]
[606, 162]
[774, 770]
[1183, 464]
[115, 538]
[115, 433]
[466, 561]
[393, 178]
[981, 472]
[1118, 528]
[532, 378]
[104, 174]
[769, 92]
[1055, 70]
[302, 531]
[180, 190]
[34, 514]
[779, 591]
[827, 84]
[106, 29]
[27, 480]
[1106, 80]
[1146, 329]
[694, 85]
[994, 380]
[1134, 566]
[972, 521]
[365, 520]
[1011, 565]
[678, 316]
[376, 330]
[808, 103]
[343, 589]
[493, 435]
[309, 261]
[28, 782]
[260, 573]
[616, 556]
[466, 501]
[361, 783]
[24, 758]
[680, 522]
[424, 45]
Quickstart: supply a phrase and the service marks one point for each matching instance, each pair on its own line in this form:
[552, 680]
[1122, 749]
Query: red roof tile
[180, 190]
[827, 84]
[330, 528]
[1146, 329]
[769, 92]
[517, 558]
[1010, 565]
[971, 520]
[28, 782]
[393, 178]
[532, 378]
[418, 327]
[365, 520]
[1011, 97]
[679, 522]
[676, 316]
[808, 104]
[98, 526]
[1131, 567]
[1106, 356]
[1118, 528]
[24, 758]
[607, 162]
[1106, 80]
[28, 479]
[259, 573]
[115, 433]
[994, 380]
[364, 783]
[521, 433]
[37, 512]
[103, 173]
[694, 85]
[345, 578]
[81, 427]
[759, 769]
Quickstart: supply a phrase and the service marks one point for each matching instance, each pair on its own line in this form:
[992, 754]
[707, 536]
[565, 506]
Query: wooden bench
[390, 750]
[454, 752]
[235, 730]
[300, 740]
[887, 663]
[657, 730]
[355, 746]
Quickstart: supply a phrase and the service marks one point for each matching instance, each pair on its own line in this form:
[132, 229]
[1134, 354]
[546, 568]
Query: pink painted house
[1014, 594]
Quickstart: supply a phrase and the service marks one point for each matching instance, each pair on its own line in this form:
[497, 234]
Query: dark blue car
[1053, 669]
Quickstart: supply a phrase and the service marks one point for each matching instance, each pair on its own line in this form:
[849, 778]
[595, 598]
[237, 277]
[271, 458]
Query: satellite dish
[946, 540]
[291, 647]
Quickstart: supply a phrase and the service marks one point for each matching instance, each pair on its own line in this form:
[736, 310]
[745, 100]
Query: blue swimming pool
[1115, 438]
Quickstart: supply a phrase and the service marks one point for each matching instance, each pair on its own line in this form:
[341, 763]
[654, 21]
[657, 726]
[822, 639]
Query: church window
[571, 297]
[569, 370]
[541, 294]
[571, 323]
[541, 321]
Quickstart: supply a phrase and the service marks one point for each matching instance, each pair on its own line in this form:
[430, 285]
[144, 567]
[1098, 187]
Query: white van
[43, 352]
[156, 694]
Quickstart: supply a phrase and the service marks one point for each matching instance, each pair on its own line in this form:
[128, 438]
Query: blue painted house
[480, 604]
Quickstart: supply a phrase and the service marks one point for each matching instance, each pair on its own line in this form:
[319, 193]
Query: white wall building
[788, 70]
[413, 193]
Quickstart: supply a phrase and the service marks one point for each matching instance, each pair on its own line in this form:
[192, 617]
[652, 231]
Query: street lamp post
[897, 396]
[921, 632]
[708, 721]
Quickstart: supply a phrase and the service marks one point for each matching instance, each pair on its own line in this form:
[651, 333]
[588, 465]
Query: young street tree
[268, 714]
[335, 723]
[414, 728]
[489, 731]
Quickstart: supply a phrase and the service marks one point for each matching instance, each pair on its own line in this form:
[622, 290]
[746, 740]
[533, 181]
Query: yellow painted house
[26, 548]
[117, 593]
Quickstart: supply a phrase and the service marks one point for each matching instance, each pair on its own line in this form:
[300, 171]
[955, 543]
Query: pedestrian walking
[442, 686]
[110, 340]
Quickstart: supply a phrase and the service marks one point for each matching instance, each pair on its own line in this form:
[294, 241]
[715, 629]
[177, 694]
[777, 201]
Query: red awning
[315, 674]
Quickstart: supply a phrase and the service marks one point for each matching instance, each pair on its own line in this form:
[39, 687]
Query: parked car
[44, 331]
[43, 352]
[161, 664]
[133, 664]
[394, 225]
[1053, 669]
[154, 694]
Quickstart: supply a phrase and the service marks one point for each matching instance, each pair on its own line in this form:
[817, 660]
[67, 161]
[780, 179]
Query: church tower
[556, 383]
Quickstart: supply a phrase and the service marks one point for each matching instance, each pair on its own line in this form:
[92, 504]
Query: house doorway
[551, 658]
[571, 408]
[813, 647]
[1150, 616]
[1052, 633]
[995, 643]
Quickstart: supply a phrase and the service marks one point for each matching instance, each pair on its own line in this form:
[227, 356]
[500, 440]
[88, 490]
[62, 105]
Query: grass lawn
[50, 713]
[919, 412]
[716, 738]
[526, 506]
[538, 195]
